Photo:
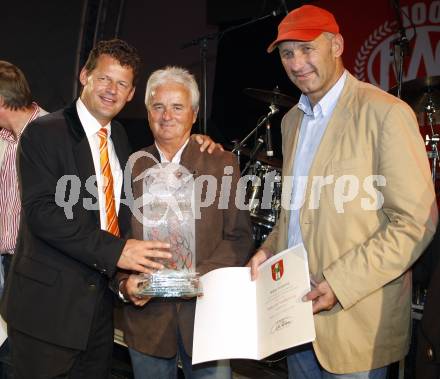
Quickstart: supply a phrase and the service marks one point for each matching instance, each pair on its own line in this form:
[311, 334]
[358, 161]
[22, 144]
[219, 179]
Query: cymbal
[421, 92]
[271, 97]
[262, 157]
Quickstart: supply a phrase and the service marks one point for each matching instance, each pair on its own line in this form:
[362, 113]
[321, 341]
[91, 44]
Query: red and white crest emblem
[277, 270]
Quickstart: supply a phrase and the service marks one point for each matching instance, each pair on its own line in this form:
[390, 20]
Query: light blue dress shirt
[313, 126]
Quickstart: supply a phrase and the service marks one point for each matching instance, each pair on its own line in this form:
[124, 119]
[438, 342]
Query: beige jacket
[364, 254]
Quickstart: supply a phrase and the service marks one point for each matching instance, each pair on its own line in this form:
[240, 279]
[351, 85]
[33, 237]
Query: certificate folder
[239, 318]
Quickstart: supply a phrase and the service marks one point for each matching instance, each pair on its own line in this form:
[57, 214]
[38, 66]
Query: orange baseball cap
[305, 24]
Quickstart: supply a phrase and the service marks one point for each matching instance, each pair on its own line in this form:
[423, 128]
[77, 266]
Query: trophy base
[170, 283]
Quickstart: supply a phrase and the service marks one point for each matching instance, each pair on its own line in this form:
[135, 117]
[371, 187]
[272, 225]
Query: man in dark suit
[160, 332]
[17, 110]
[57, 300]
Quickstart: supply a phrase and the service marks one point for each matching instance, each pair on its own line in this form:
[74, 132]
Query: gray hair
[173, 74]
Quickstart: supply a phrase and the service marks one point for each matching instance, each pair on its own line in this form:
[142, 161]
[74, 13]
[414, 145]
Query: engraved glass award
[168, 216]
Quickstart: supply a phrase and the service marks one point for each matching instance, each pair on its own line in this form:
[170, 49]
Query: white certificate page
[238, 318]
[283, 319]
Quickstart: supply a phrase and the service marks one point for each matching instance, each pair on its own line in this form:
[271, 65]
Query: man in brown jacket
[159, 331]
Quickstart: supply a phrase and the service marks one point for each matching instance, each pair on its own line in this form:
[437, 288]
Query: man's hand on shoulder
[206, 143]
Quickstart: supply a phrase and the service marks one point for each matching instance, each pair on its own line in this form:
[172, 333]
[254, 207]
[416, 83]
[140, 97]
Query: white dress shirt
[177, 156]
[91, 128]
[313, 126]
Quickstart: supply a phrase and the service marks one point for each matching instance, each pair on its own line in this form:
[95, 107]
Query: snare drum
[264, 194]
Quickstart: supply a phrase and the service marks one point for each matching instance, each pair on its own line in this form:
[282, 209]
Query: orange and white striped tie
[107, 180]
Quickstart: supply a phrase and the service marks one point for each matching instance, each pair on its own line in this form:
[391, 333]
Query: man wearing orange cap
[359, 197]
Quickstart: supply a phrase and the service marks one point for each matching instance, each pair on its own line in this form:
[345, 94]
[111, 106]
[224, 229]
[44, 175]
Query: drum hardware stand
[403, 50]
[430, 110]
[255, 188]
[260, 141]
[237, 150]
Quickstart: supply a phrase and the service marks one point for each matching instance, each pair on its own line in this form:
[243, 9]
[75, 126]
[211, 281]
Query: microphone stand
[203, 45]
[403, 44]
[260, 142]
[273, 110]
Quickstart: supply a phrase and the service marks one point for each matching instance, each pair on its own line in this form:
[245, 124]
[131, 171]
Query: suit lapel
[340, 120]
[338, 123]
[192, 160]
[291, 140]
[81, 148]
[188, 159]
[120, 149]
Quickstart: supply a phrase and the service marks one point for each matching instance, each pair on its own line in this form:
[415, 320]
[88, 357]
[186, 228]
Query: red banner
[370, 29]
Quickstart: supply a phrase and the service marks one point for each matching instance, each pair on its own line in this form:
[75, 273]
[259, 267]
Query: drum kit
[423, 96]
[264, 171]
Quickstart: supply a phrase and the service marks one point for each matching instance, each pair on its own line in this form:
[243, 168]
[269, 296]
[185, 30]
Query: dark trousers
[427, 366]
[5, 349]
[36, 359]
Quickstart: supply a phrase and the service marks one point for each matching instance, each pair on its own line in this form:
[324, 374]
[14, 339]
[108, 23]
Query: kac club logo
[374, 60]
[277, 270]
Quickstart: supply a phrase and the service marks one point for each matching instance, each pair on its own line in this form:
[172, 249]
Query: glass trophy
[168, 216]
